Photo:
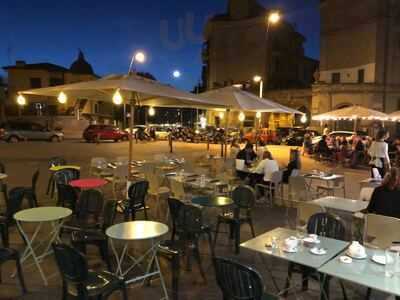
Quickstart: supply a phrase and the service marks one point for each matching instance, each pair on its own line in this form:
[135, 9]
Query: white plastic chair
[366, 193]
[239, 164]
[273, 186]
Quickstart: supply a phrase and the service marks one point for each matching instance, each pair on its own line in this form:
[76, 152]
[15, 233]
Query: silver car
[14, 132]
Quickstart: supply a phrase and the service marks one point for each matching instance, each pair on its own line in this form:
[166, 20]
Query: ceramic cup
[291, 242]
[357, 250]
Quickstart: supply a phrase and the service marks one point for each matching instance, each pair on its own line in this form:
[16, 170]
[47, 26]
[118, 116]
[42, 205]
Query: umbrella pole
[131, 124]
[226, 134]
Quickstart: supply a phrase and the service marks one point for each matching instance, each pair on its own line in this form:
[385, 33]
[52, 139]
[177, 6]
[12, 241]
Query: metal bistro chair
[244, 199]
[239, 282]
[67, 196]
[31, 191]
[96, 236]
[80, 282]
[158, 192]
[272, 187]
[64, 176]
[326, 225]
[54, 161]
[137, 194]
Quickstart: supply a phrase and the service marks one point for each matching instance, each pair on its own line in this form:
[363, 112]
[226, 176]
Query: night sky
[109, 31]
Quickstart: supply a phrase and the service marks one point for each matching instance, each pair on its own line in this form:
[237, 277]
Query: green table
[364, 272]
[303, 256]
[218, 201]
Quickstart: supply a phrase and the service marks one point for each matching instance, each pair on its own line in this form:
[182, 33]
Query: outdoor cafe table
[341, 204]
[329, 181]
[40, 215]
[88, 183]
[212, 201]
[303, 256]
[364, 272]
[136, 231]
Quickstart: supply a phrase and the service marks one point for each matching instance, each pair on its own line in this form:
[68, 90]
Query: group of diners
[258, 167]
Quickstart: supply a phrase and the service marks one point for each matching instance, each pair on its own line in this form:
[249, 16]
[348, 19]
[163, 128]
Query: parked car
[15, 131]
[104, 132]
[265, 136]
[334, 134]
[296, 138]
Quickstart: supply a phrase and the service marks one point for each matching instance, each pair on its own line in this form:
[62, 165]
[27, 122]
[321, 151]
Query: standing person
[326, 130]
[379, 153]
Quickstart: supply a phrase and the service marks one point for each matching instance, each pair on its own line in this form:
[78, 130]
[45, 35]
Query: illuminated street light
[304, 119]
[152, 111]
[177, 74]
[21, 100]
[117, 98]
[62, 98]
[140, 57]
[258, 79]
[242, 117]
[258, 115]
[274, 17]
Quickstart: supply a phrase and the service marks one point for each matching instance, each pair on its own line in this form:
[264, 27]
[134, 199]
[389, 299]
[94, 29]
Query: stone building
[24, 76]
[360, 56]
[238, 46]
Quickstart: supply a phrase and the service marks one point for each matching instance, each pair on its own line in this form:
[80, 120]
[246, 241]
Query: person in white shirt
[379, 153]
[263, 171]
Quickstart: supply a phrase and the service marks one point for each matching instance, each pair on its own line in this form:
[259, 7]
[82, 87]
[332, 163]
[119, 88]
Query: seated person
[322, 147]
[293, 164]
[265, 168]
[248, 155]
[385, 199]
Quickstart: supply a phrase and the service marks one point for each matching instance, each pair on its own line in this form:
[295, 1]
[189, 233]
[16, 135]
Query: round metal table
[88, 183]
[51, 214]
[138, 231]
[213, 201]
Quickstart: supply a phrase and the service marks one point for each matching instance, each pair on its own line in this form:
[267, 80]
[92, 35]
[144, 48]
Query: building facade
[24, 76]
[239, 45]
[360, 55]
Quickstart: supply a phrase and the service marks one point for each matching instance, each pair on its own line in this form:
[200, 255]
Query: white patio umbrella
[395, 116]
[355, 112]
[236, 99]
[132, 89]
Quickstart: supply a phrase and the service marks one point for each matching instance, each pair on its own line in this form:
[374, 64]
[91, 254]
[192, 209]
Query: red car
[104, 132]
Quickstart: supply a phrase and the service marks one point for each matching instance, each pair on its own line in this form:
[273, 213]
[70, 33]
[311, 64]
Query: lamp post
[258, 79]
[273, 18]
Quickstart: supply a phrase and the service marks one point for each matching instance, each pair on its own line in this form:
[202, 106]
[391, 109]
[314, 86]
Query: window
[335, 77]
[56, 81]
[36, 82]
[361, 76]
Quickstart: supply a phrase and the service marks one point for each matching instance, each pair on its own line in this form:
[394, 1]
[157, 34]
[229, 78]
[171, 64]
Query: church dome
[81, 66]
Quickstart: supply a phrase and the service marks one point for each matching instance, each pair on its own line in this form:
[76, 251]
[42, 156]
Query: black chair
[239, 282]
[96, 236]
[54, 161]
[326, 225]
[189, 228]
[87, 212]
[137, 194]
[174, 206]
[2, 168]
[64, 176]
[67, 196]
[244, 199]
[8, 254]
[14, 201]
[31, 191]
[80, 282]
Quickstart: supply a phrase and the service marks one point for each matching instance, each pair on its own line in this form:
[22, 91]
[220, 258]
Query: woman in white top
[379, 153]
[263, 171]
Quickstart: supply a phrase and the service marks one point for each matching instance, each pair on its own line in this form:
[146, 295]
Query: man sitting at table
[385, 199]
[263, 171]
[248, 155]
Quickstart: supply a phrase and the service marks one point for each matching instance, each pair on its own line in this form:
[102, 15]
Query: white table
[330, 182]
[341, 204]
[40, 215]
[138, 231]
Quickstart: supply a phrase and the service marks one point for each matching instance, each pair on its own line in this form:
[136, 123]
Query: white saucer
[289, 250]
[379, 259]
[356, 257]
[318, 251]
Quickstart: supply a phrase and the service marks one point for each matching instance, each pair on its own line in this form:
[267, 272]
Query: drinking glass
[392, 262]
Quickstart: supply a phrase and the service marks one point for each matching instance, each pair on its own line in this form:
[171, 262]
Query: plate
[289, 250]
[379, 259]
[318, 251]
[356, 257]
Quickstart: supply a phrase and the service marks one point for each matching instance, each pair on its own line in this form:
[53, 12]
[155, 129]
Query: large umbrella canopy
[236, 99]
[395, 116]
[355, 112]
[131, 87]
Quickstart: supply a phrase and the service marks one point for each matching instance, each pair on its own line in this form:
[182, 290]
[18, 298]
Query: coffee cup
[357, 250]
[291, 242]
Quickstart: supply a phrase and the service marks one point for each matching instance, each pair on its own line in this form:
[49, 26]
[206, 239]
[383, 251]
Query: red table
[88, 183]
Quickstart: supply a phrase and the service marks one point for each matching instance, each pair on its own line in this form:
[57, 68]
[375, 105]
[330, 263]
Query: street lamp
[304, 119]
[117, 98]
[152, 111]
[258, 79]
[273, 18]
[21, 100]
[242, 117]
[176, 74]
[139, 57]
